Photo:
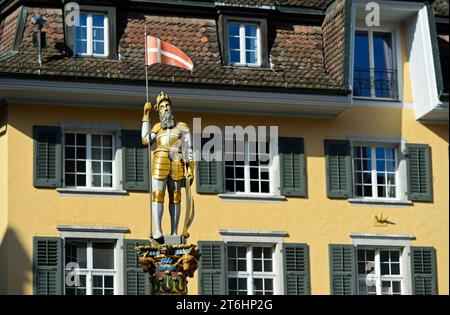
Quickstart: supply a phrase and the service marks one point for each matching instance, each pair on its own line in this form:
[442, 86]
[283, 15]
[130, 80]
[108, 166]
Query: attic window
[91, 35]
[244, 41]
[95, 33]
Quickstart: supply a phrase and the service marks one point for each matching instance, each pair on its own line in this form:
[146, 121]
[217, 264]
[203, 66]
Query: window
[96, 270]
[374, 73]
[380, 271]
[375, 171]
[248, 167]
[250, 270]
[91, 35]
[89, 160]
[244, 43]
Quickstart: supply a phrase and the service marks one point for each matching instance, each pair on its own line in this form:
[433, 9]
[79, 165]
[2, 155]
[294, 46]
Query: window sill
[251, 197]
[383, 99]
[91, 192]
[386, 202]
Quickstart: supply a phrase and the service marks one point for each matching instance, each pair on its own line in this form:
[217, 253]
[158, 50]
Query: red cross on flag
[158, 51]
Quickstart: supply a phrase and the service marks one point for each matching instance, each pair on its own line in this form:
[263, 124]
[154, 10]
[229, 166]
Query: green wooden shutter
[47, 156]
[423, 262]
[211, 271]
[47, 266]
[418, 158]
[342, 269]
[292, 166]
[136, 280]
[338, 168]
[296, 269]
[209, 175]
[135, 161]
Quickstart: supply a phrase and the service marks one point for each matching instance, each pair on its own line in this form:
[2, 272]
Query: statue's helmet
[161, 98]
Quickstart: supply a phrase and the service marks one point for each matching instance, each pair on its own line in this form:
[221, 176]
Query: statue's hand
[147, 111]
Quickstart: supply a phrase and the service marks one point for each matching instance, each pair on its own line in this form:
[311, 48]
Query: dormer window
[244, 44]
[244, 41]
[375, 73]
[91, 35]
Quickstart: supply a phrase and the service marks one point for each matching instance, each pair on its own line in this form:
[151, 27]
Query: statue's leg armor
[174, 189]
[158, 188]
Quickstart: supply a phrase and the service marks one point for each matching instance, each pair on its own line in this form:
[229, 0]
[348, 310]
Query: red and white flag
[158, 51]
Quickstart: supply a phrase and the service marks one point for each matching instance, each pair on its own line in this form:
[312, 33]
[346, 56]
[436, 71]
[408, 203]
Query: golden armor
[167, 157]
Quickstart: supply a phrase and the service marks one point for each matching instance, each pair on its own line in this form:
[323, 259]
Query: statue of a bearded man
[171, 159]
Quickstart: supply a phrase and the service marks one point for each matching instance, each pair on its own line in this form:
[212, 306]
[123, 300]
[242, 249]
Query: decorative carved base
[168, 267]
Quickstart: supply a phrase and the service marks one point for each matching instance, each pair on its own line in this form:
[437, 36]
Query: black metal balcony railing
[377, 83]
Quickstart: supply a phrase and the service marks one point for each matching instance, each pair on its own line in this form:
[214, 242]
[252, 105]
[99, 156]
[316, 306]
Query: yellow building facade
[28, 212]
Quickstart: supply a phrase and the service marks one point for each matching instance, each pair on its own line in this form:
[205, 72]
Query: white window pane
[107, 154]
[97, 281]
[381, 166]
[98, 20]
[234, 43]
[69, 166]
[233, 29]
[97, 180]
[361, 72]
[107, 167]
[96, 154]
[242, 265]
[257, 265]
[258, 284]
[268, 265]
[386, 288]
[251, 57]
[83, 18]
[81, 166]
[235, 56]
[231, 264]
[69, 180]
[107, 181]
[81, 180]
[80, 33]
[390, 153]
[250, 30]
[76, 252]
[96, 140]
[103, 255]
[96, 167]
[80, 47]
[107, 141]
[250, 44]
[99, 48]
[98, 34]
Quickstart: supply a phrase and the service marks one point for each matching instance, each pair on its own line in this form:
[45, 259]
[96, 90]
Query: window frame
[374, 171]
[396, 241]
[380, 278]
[111, 45]
[92, 128]
[401, 172]
[89, 35]
[89, 271]
[262, 46]
[274, 172]
[250, 275]
[397, 63]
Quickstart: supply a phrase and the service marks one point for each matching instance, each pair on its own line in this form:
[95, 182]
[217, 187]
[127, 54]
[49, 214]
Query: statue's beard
[167, 120]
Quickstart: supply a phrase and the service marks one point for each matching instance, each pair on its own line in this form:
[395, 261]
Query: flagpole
[149, 140]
